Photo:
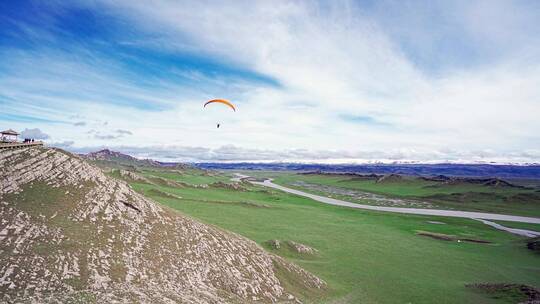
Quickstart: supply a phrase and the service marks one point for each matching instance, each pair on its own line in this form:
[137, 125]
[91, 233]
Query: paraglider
[222, 101]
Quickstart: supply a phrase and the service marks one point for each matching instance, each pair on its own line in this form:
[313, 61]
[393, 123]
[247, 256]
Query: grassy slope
[365, 256]
[189, 176]
[477, 197]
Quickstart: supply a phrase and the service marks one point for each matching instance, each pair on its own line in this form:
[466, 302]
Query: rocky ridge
[69, 232]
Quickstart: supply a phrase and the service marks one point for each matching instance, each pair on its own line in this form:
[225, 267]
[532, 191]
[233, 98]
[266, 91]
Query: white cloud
[34, 134]
[124, 132]
[343, 62]
[62, 145]
[331, 60]
[119, 133]
[230, 153]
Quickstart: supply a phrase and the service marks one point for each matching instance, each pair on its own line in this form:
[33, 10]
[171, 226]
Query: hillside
[114, 159]
[69, 232]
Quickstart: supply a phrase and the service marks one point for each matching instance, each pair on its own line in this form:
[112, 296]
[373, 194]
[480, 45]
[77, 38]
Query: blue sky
[339, 81]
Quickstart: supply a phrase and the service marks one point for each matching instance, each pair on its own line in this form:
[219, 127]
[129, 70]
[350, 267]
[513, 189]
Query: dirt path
[436, 212]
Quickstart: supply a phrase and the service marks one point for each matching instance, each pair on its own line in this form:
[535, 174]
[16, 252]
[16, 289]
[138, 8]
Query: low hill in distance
[457, 170]
[438, 179]
[70, 233]
[117, 160]
[113, 159]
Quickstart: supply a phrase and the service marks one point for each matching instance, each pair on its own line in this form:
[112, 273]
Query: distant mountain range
[463, 170]
[118, 159]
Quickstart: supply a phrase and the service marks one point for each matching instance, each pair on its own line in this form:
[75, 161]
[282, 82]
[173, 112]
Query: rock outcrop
[69, 232]
[129, 175]
[233, 186]
[301, 248]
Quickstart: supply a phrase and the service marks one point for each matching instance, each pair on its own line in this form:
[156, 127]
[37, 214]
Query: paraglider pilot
[222, 101]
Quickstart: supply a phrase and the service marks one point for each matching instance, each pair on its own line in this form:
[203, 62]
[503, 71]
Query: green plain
[364, 256]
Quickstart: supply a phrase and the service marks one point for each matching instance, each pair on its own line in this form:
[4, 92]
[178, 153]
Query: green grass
[527, 226]
[461, 196]
[364, 256]
[507, 293]
[189, 176]
[408, 186]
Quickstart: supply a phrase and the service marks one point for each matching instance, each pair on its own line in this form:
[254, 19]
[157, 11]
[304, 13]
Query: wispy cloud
[115, 135]
[363, 119]
[123, 132]
[62, 145]
[442, 76]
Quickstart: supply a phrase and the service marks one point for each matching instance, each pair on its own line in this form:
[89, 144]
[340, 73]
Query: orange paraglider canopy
[223, 101]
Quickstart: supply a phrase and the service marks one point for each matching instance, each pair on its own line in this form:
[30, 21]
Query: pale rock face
[67, 231]
[301, 248]
[109, 155]
[133, 176]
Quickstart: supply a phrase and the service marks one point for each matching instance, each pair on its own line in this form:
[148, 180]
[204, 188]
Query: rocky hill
[69, 233]
[107, 154]
[117, 159]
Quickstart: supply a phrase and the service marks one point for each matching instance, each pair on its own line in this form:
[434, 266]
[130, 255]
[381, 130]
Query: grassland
[527, 226]
[457, 196]
[188, 176]
[366, 257]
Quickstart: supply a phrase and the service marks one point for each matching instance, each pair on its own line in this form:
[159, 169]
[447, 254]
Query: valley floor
[417, 192]
[364, 256]
[435, 212]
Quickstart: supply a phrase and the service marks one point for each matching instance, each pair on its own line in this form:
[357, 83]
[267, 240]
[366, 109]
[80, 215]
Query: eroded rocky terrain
[69, 232]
